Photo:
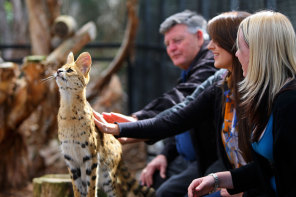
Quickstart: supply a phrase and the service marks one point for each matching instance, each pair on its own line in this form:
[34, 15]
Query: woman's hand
[104, 126]
[116, 117]
[201, 186]
[204, 185]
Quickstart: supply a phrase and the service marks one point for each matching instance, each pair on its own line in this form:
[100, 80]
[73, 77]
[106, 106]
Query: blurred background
[130, 68]
[149, 63]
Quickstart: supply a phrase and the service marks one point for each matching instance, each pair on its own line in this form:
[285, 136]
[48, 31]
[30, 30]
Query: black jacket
[202, 69]
[201, 114]
[257, 174]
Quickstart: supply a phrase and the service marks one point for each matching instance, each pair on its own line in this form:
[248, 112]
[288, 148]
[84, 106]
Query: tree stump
[53, 185]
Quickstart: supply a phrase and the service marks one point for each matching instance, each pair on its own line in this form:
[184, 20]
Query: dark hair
[223, 30]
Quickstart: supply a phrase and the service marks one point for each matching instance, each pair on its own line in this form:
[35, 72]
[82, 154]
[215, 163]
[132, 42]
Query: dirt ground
[135, 156]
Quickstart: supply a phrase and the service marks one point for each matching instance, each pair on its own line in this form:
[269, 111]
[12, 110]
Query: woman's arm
[218, 76]
[207, 184]
[156, 128]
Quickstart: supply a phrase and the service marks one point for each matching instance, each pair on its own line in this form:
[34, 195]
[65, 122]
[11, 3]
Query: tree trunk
[122, 54]
[53, 7]
[39, 27]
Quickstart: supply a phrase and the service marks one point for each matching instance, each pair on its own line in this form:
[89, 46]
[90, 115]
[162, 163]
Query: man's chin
[181, 66]
[178, 63]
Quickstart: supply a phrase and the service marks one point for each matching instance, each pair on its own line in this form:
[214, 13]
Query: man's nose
[172, 47]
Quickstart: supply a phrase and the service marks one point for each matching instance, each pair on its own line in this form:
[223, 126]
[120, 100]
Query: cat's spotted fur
[93, 158]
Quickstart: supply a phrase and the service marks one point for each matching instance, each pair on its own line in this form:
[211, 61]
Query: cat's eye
[69, 70]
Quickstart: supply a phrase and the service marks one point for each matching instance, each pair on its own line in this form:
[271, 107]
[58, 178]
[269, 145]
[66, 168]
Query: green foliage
[9, 11]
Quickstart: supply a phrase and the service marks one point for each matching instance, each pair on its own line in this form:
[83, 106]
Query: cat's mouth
[60, 76]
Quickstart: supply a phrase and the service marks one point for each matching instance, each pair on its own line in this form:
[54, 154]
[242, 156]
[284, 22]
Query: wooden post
[53, 185]
[39, 27]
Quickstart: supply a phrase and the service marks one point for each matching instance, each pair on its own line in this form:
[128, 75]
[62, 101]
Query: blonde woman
[267, 52]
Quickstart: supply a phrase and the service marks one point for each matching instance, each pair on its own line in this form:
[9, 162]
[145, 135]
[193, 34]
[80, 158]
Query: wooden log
[53, 185]
[13, 151]
[30, 92]
[39, 27]
[64, 26]
[53, 7]
[8, 75]
[84, 35]
[21, 100]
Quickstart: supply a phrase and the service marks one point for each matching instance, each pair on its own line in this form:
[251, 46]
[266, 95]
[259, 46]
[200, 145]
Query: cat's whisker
[47, 79]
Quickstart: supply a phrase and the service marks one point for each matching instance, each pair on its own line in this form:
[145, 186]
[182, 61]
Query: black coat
[203, 67]
[257, 174]
[202, 114]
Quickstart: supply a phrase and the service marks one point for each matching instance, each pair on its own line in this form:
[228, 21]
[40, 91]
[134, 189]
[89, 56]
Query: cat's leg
[75, 172]
[107, 181]
[91, 176]
[75, 189]
[79, 183]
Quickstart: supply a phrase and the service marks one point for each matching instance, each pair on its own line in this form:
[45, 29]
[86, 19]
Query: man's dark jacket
[202, 68]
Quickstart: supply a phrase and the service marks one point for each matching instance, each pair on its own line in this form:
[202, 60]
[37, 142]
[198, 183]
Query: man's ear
[199, 34]
[200, 37]
[83, 62]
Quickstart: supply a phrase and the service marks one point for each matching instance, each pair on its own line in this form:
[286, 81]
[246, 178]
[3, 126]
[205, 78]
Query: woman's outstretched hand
[104, 126]
[116, 117]
[201, 186]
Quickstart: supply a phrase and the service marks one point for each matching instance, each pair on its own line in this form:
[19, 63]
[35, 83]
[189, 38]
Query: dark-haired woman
[216, 105]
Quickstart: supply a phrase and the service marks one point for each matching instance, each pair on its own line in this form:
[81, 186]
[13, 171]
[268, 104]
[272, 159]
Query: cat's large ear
[83, 62]
[70, 58]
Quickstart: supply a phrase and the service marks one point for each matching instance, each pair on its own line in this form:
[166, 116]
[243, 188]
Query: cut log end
[52, 185]
[56, 185]
[64, 26]
[34, 58]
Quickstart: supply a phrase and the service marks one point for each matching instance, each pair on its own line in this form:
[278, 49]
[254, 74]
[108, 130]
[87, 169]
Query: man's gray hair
[193, 21]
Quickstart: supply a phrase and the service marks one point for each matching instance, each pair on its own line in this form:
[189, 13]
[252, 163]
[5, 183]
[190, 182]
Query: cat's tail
[132, 185]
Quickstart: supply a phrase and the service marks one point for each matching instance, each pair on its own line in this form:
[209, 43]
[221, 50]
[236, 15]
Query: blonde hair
[272, 61]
